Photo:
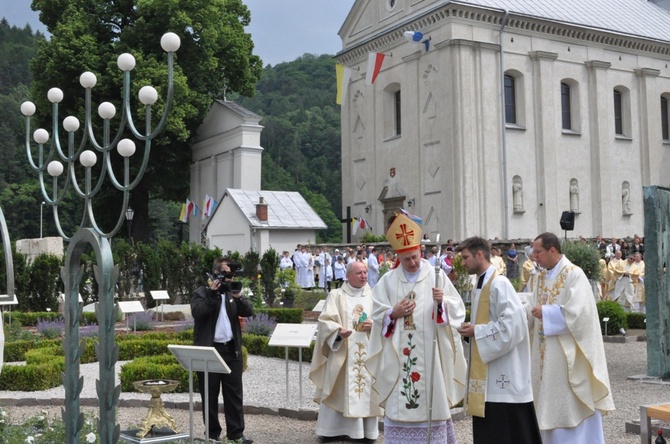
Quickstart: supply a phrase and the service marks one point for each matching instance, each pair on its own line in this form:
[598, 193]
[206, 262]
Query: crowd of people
[535, 373]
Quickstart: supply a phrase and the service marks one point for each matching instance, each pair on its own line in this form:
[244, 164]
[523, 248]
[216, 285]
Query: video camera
[227, 284]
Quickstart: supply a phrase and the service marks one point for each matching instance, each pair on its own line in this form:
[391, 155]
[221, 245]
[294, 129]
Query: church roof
[286, 209]
[640, 18]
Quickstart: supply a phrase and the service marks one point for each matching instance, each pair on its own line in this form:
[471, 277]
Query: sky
[282, 30]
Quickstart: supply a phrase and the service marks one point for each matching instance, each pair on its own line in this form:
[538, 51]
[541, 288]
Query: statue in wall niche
[574, 196]
[625, 199]
[517, 195]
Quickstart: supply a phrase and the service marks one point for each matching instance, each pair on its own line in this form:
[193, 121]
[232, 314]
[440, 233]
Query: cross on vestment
[492, 334]
[501, 382]
[476, 386]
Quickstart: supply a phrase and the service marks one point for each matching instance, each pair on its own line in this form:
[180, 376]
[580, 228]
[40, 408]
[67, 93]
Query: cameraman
[215, 310]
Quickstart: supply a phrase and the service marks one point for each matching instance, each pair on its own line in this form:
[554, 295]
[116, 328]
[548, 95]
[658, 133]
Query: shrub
[636, 320]
[51, 329]
[585, 256]
[284, 315]
[261, 324]
[89, 331]
[616, 315]
[258, 345]
[141, 321]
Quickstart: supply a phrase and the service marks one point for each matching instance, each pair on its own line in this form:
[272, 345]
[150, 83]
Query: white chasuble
[569, 367]
[400, 362]
[359, 381]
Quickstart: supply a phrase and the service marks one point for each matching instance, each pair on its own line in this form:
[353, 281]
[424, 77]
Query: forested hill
[302, 134]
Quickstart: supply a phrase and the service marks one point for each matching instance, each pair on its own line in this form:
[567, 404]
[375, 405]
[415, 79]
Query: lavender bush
[88, 331]
[51, 329]
[261, 324]
[141, 321]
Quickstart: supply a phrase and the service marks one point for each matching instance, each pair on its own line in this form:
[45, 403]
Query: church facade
[517, 112]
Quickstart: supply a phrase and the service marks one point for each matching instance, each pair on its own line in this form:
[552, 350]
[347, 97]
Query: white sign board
[131, 307]
[159, 295]
[293, 335]
[199, 359]
[320, 305]
[8, 300]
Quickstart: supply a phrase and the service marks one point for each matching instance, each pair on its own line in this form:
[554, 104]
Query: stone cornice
[647, 72]
[492, 18]
[593, 64]
[536, 55]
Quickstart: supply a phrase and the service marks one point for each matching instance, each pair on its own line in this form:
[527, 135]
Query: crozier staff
[401, 348]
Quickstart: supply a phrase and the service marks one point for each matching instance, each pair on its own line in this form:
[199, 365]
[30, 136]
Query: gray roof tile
[286, 209]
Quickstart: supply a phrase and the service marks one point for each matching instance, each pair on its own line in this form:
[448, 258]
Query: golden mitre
[404, 234]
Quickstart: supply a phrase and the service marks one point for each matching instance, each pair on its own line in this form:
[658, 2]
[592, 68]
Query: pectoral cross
[501, 382]
[491, 334]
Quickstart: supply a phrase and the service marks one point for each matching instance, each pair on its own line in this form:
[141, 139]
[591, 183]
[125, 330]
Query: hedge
[284, 315]
[30, 318]
[616, 315]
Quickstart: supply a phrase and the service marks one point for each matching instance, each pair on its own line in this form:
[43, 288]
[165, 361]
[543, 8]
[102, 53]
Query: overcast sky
[282, 30]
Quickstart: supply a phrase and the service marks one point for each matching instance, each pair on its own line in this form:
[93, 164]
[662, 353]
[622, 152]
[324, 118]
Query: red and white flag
[375, 60]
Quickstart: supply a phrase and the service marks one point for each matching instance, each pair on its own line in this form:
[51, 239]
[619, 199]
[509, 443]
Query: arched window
[510, 99]
[618, 112]
[566, 116]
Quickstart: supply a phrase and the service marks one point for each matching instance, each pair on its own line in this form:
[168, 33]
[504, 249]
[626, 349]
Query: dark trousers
[506, 423]
[231, 386]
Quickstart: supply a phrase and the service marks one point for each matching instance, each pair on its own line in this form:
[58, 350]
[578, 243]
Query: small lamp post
[41, 217]
[130, 213]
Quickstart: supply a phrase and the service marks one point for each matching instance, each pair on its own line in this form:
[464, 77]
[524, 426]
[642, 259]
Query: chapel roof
[286, 209]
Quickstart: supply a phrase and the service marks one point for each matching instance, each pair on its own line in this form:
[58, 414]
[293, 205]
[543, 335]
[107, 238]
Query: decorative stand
[293, 335]
[160, 426]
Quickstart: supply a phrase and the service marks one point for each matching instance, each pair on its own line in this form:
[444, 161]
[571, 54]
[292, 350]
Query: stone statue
[517, 195]
[625, 199]
[574, 196]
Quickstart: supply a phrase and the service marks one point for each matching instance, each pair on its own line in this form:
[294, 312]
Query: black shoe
[241, 440]
[331, 438]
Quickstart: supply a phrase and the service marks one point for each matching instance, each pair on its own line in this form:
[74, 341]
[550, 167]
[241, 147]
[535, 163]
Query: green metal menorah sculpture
[89, 233]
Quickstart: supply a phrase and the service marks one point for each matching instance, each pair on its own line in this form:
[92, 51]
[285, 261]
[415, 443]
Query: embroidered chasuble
[478, 369]
[401, 362]
[569, 367]
[338, 367]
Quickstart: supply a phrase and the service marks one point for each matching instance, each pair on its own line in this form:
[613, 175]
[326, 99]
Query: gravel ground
[265, 386]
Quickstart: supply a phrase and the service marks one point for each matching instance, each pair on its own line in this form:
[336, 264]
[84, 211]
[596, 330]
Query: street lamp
[130, 213]
[53, 158]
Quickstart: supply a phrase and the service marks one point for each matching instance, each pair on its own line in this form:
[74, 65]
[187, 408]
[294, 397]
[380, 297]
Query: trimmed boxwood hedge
[30, 318]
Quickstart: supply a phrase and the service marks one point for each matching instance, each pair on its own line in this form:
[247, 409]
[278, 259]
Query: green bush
[29, 378]
[612, 310]
[306, 300]
[284, 315]
[585, 256]
[636, 320]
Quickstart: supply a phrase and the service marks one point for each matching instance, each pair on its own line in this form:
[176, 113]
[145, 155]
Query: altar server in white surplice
[569, 369]
[348, 405]
[409, 310]
[500, 395]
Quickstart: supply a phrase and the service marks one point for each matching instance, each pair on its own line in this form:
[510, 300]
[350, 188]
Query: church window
[565, 106]
[664, 118]
[510, 99]
[622, 117]
[392, 106]
[397, 104]
[570, 121]
[618, 113]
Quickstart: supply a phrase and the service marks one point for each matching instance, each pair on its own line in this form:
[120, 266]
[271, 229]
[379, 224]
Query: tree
[88, 35]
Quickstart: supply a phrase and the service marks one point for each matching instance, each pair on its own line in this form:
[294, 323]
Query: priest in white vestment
[303, 268]
[415, 318]
[569, 368]
[639, 299]
[347, 404]
[500, 394]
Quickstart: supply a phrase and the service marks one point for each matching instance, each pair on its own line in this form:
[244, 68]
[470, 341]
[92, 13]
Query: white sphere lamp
[55, 168]
[148, 95]
[88, 79]
[28, 109]
[126, 62]
[55, 95]
[41, 135]
[126, 147]
[106, 110]
[88, 158]
[71, 124]
[170, 42]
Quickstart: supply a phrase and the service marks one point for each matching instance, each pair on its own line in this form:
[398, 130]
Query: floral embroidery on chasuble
[359, 381]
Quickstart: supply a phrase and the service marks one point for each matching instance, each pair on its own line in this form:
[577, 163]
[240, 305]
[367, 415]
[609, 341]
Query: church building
[494, 117]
